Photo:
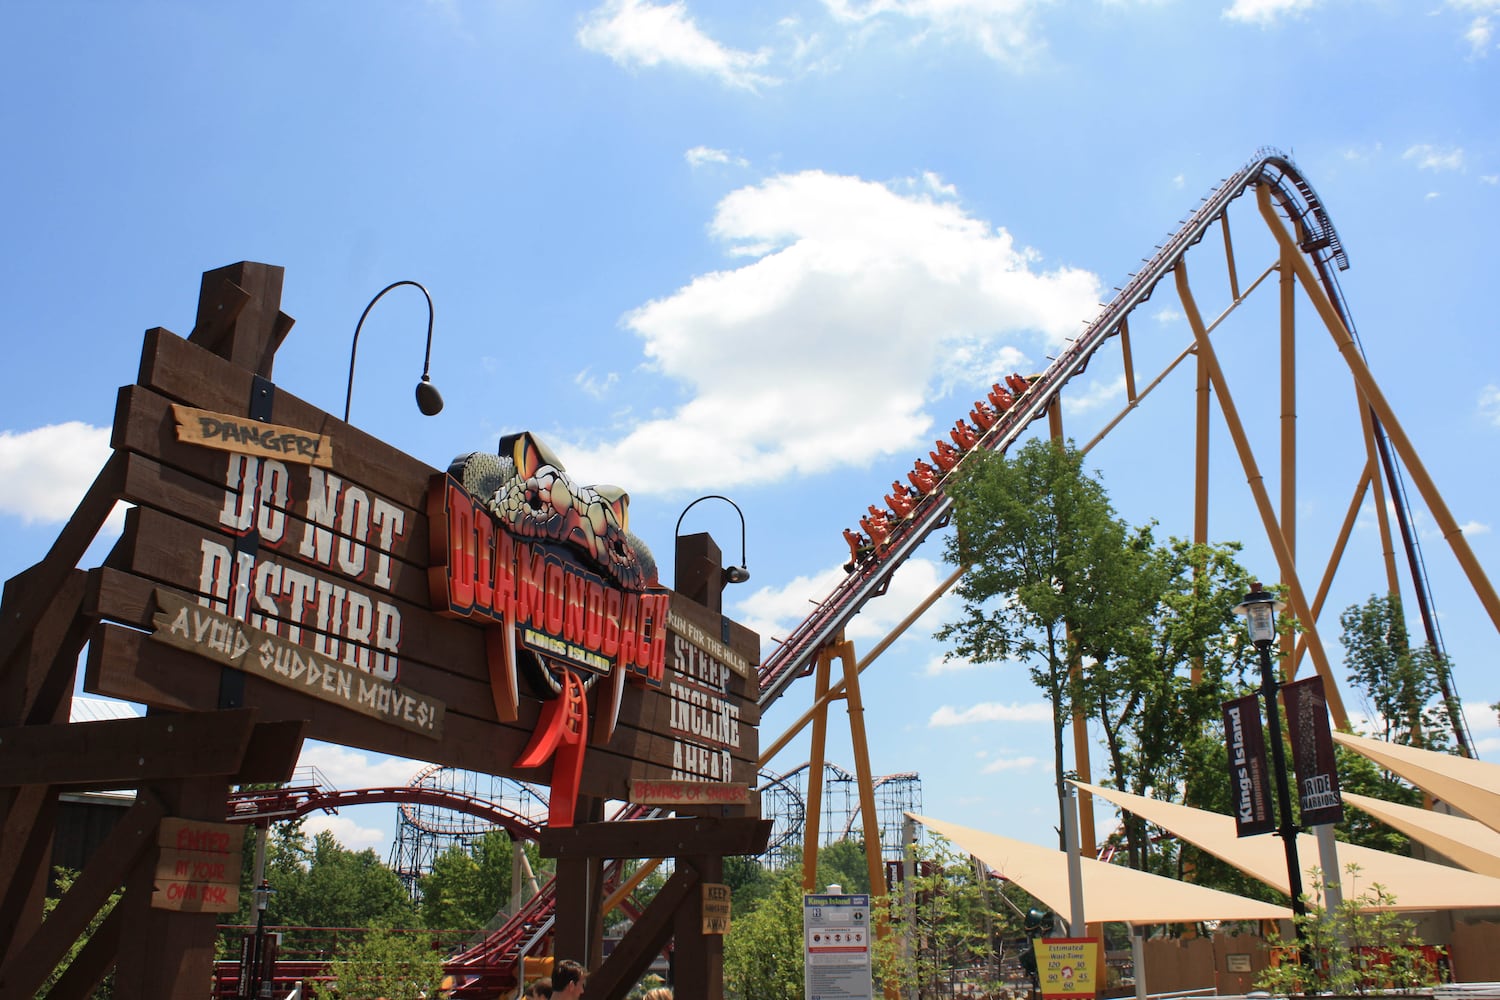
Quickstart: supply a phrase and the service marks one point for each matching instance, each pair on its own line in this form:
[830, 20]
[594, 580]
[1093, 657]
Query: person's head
[540, 989]
[660, 993]
[568, 979]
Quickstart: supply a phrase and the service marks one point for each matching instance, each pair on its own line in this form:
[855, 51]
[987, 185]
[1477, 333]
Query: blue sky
[768, 250]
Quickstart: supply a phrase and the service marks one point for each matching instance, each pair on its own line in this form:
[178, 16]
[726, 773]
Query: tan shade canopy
[1471, 785]
[1467, 842]
[1416, 885]
[1110, 892]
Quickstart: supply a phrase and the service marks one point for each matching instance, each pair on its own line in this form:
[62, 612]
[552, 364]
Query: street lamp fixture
[259, 985]
[429, 400]
[732, 574]
[1259, 609]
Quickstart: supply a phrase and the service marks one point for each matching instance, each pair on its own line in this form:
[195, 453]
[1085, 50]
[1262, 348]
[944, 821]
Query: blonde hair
[660, 993]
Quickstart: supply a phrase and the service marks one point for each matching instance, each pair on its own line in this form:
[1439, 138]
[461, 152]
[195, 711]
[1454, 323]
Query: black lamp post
[429, 400]
[259, 986]
[732, 574]
[1259, 608]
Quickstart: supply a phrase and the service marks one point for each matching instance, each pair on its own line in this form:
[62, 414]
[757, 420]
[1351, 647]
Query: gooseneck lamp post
[1259, 608]
[732, 574]
[259, 985]
[429, 400]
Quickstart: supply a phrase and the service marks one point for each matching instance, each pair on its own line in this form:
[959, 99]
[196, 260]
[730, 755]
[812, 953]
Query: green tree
[1361, 947]
[395, 965]
[468, 885]
[843, 863]
[748, 882]
[1402, 684]
[763, 949]
[1174, 664]
[945, 924]
[324, 884]
[1054, 576]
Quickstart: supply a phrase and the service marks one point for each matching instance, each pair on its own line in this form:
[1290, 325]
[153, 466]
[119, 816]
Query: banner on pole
[1312, 752]
[1249, 778]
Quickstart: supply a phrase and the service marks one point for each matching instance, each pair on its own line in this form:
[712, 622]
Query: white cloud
[1490, 178]
[773, 612]
[1265, 12]
[1168, 314]
[903, 296]
[1478, 35]
[941, 664]
[347, 831]
[990, 711]
[1180, 181]
[1095, 394]
[46, 471]
[1009, 764]
[637, 33]
[1489, 403]
[344, 767]
[1472, 528]
[700, 156]
[596, 387]
[1003, 29]
[1429, 157]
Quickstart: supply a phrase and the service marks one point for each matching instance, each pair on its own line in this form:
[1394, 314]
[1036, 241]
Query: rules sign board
[836, 931]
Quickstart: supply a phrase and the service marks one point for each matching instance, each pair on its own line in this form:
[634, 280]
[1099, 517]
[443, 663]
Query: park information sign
[1068, 968]
[836, 932]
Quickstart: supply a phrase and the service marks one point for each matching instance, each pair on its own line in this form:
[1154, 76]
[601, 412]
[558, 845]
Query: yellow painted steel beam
[1128, 360]
[1190, 349]
[862, 772]
[837, 690]
[1382, 514]
[623, 892]
[813, 807]
[1288, 404]
[1234, 278]
[1285, 562]
[1337, 555]
[1436, 506]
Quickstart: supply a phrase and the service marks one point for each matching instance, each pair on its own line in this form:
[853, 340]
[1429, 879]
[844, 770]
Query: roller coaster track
[1319, 242]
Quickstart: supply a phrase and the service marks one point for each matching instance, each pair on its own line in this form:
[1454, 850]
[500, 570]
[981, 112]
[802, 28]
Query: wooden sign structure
[273, 583]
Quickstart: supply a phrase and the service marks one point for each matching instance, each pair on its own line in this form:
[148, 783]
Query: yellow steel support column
[1334, 558]
[1286, 564]
[1289, 431]
[1202, 398]
[1366, 381]
[1234, 278]
[1288, 404]
[862, 772]
[814, 804]
[1126, 357]
[1382, 515]
[820, 703]
[1082, 761]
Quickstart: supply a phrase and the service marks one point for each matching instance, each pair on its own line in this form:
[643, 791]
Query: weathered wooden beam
[22, 614]
[699, 967]
[134, 833]
[239, 314]
[657, 838]
[92, 963]
[168, 953]
[25, 850]
[123, 753]
[645, 939]
[272, 754]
